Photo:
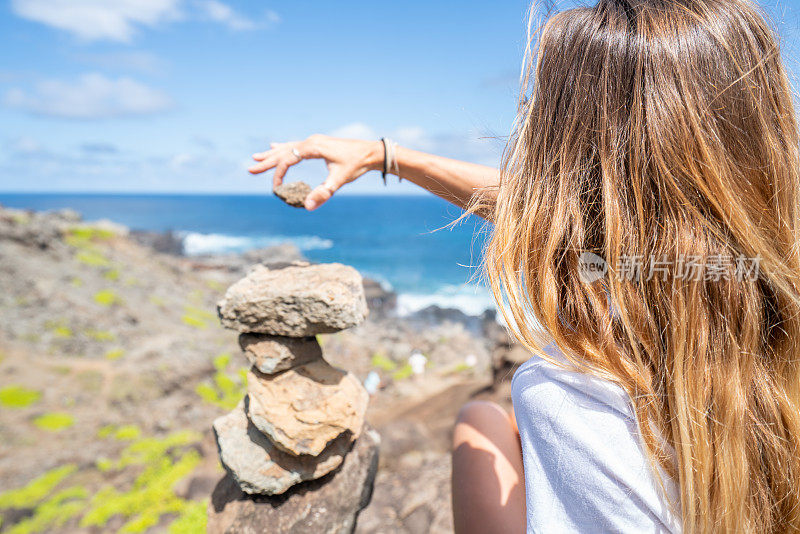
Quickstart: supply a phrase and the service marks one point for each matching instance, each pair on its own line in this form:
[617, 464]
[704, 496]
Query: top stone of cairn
[295, 301]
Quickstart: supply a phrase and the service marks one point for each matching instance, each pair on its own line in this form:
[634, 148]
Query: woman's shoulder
[551, 381]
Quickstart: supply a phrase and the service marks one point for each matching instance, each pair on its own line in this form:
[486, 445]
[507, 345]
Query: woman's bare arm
[453, 180]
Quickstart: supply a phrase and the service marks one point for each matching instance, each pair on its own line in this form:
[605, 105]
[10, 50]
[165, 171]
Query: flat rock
[293, 193]
[305, 408]
[328, 505]
[271, 354]
[295, 301]
[261, 468]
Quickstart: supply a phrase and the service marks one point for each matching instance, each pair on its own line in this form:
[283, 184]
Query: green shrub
[404, 372]
[382, 362]
[92, 258]
[100, 335]
[15, 396]
[114, 354]
[54, 512]
[106, 297]
[37, 489]
[54, 421]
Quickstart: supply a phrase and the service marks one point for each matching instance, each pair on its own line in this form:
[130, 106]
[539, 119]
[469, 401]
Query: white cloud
[24, 146]
[115, 20]
[471, 146]
[119, 20]
[355, 130]
[224, 14]
[92, 96]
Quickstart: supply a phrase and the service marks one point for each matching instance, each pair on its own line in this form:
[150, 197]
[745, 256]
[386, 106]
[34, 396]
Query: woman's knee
[480, 412]
[479, 417]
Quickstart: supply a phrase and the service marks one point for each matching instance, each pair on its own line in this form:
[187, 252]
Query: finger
[261, 156]
[280, 172]
[265, 165]
[321, 194]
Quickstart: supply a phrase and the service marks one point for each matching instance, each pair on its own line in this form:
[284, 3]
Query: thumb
[322, 193]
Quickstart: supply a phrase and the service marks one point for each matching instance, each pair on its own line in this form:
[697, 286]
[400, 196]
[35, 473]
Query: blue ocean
[406, 242]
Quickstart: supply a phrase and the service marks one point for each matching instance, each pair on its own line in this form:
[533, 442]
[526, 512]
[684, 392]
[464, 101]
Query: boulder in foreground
[303, 409]
[261, 468]
[271, 354]
[328, 505]
[295, 301]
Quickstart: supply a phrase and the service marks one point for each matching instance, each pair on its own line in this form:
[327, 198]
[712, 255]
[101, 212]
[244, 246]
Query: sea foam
[195, 243]
[472, 299]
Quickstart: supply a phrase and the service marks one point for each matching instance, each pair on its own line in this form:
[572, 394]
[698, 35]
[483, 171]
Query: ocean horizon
[407, 242]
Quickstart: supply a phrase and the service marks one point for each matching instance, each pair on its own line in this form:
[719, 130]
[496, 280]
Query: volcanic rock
[294, 193]
[271, 354]
[303, 409]
[261, 468]
[327, 505]
[295, 301]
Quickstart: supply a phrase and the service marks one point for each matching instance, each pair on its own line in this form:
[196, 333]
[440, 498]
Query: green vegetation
[92, 258]
[197, 317]
[37, 489]
[15, 396]
[59, 328]
[76, 282]
[54, 421]
[404, 372]
[84, 239]
[54, 512]
[214, 285]
[227, 389]
[151, 496]
[107, 297]
[62, 331]
[162, 463]
[382, 362]
[193, 322]
[83, 234]
[111, 274]
[114, 354]
[463, 368]
[121, 433]
[192, 519]
[21, 217]
[158, 301]
[100, 335]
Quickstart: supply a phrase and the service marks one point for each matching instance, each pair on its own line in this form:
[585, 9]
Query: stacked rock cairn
[301, 416]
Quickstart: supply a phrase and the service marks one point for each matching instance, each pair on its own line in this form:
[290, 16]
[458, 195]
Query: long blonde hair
[664, 131]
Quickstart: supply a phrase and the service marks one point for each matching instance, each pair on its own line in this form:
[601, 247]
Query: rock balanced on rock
[301, 415]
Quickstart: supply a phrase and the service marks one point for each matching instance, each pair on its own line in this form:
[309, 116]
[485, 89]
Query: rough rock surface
[294, 193]
[328, 505]
[261, 468]
[270, 354]
[295, 301]
[303, 409]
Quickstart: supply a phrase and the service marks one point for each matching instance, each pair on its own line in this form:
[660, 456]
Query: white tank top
[585, 469]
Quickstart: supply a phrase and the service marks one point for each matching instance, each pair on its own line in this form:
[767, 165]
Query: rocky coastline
[115, 364]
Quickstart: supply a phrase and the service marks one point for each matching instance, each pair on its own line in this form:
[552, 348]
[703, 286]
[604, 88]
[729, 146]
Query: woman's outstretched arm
[453, 180]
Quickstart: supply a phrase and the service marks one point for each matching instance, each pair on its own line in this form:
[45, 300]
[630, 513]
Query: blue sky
[174, 95]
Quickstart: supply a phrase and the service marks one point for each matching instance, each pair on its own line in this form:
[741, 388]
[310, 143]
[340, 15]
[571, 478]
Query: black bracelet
[385, 159]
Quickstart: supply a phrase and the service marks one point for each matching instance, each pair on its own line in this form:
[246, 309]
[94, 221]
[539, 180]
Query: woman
[646, 219]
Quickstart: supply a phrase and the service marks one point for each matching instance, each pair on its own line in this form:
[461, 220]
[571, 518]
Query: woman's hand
[346, 160]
